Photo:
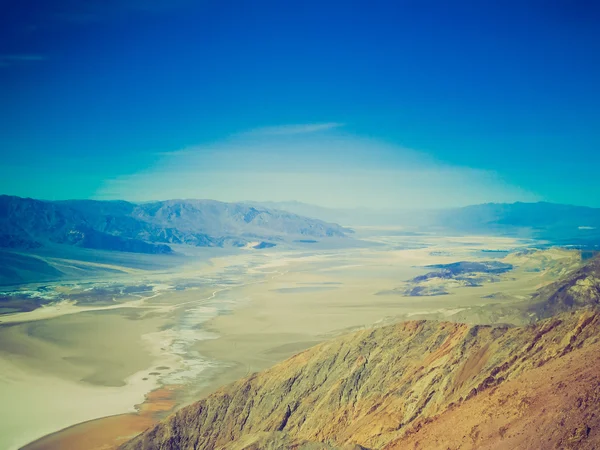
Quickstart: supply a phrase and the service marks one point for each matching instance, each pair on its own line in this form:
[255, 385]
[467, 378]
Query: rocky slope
[383, 388]
[552, 406]
[578, 286]
[578, 289]
[149, 227]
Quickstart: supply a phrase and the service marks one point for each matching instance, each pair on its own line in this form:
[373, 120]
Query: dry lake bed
[118, 353]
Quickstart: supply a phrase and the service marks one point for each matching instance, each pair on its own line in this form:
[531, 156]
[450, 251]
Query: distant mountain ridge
[558, 223]
[344, 216]
[537, 216]
[152, 227]
[149, 227]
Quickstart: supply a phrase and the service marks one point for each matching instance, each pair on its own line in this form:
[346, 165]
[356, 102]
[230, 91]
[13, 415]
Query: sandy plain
[205, 325]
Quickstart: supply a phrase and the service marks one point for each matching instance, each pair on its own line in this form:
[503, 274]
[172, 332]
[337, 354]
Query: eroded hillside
[576, 290]
[385, 387]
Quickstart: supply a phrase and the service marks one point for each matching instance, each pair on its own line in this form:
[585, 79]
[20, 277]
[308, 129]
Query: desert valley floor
[111, 355]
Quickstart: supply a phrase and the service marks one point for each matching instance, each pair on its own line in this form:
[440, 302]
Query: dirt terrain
[286, 305]
[551, 407]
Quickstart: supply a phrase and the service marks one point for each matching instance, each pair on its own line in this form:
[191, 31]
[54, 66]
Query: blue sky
[415, 103]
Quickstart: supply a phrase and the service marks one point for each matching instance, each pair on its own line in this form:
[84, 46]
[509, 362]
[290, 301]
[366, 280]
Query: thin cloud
[328, 169]
[239, 139]
[13, 59]
[194, 150]
[283, 130]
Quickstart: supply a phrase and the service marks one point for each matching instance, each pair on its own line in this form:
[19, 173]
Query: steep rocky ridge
[378, 387]
[578, 289]
[554, 406]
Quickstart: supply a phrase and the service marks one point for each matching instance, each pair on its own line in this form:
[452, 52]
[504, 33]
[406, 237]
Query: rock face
[577, 290]
[149, 227]
[554, 406]
[407, 386]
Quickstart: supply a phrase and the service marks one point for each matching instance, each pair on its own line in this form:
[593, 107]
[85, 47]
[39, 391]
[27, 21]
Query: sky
[346, 104]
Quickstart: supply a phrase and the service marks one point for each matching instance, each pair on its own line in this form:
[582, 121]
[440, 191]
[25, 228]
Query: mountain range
[150, 227]
[558, 223]
[155, 226]
[561, 224]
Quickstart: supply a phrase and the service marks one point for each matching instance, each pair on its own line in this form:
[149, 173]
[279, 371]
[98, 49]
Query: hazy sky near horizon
[380, 104]
[314, 163]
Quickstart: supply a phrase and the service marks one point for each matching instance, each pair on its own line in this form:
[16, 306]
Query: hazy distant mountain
[149, 227]
[344, 216]
[534, 215]
[561, 224]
